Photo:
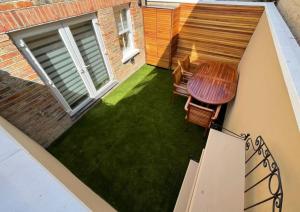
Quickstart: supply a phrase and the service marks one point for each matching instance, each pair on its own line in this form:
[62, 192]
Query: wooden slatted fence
[215, 32]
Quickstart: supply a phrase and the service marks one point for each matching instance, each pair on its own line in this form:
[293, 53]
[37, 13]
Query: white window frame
[128, 54]
[63, 30]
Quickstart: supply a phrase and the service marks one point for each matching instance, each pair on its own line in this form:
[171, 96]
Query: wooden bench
[217, 182]
[232, 168]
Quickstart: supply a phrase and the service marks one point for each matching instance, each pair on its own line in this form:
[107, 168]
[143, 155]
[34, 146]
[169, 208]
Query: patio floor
[133, 147]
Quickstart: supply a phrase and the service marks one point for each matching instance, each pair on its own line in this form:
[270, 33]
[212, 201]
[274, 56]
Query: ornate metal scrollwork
[259, 148]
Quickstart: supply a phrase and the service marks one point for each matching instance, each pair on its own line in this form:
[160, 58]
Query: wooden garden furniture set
[213, 84]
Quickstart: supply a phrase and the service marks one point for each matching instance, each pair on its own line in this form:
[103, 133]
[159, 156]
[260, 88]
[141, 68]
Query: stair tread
[187, 187]
[220, 182]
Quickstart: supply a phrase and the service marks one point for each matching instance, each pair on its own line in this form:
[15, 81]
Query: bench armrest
[178, 86]
[217, 112]
[188, 102]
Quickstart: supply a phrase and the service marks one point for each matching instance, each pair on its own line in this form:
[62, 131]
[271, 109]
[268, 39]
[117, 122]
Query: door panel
[53, 56]
[68, 56]
[90, 52]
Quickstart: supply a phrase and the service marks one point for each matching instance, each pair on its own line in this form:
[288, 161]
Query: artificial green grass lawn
[133, 148]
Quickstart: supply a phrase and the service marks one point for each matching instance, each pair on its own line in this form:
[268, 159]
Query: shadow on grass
[134, 147]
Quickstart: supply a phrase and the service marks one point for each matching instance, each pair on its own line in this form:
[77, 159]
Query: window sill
[130, 55]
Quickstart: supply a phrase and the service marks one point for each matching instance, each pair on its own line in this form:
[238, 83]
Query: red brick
[41, 14]
[82, 7]
[6, 63]
[24, 4]
[101, 4]
[66, 11]
[18, 19]
[62, 10]
[11, 20]
[49, 13]
[44, 11]
[65, 8]
[18, 65]
[33, 77]
[22, 16]
[27, 15]
[105, 3]
[97, 4]
[111, 3]
[36, 17]
[5, 22]
[9, 55]
[4, 39]
[94, 4]
[73, 8]
[77, 8]
[6, 6]
[55, 11]
[2, 29]
[91, 5]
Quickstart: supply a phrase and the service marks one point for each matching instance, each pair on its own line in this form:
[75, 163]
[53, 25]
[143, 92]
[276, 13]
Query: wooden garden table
[214, 82]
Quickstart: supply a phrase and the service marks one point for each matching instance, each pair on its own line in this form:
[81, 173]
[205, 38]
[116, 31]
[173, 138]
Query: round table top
[214, 82]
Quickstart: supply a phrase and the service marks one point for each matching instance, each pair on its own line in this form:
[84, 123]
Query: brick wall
[9, 5]
[106, 18]
[25, 100]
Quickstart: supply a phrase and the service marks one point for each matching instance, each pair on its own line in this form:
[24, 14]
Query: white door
[69, 57]
[88, 47]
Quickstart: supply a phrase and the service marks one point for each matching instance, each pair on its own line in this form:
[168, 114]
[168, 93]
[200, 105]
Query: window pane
[124, 18]
[119, 24]
[124, 42]
[87, 44]
[122, 22]
[53, 56]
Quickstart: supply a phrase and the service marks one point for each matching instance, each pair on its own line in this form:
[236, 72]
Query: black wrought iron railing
[260, 157]
[259, 148]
